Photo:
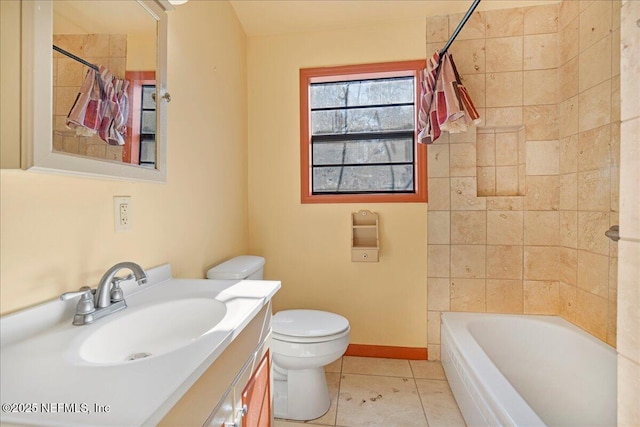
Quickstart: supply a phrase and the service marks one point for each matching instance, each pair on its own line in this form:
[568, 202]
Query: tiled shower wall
[109, 50]
[541, 250]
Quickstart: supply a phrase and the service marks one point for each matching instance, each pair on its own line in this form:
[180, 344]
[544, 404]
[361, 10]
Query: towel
[446, 104]
[101, 107]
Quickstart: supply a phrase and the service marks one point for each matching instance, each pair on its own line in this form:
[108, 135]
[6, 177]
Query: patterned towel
[445, 104]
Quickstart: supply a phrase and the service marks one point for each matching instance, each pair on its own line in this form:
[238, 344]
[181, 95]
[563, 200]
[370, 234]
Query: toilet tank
[238, 268]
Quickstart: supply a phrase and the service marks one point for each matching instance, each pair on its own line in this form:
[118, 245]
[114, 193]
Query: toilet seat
[302, 326]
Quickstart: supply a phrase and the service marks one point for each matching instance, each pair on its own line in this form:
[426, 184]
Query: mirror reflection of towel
[101, 107]
[445, 104]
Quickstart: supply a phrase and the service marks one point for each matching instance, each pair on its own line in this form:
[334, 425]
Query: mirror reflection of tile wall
[109, 50]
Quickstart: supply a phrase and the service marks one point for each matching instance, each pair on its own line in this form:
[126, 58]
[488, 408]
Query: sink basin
[150, 331]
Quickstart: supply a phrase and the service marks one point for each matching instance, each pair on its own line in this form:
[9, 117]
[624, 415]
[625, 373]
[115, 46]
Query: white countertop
[39, 372]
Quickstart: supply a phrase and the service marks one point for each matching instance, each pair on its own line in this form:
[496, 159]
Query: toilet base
[300, 394]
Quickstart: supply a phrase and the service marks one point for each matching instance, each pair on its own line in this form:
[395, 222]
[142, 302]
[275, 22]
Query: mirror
[95, 104]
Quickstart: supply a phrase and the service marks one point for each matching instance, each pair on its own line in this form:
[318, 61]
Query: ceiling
[264, 17]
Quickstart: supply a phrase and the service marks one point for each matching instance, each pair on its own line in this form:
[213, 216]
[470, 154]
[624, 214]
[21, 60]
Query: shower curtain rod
[459, 28]
[77, 58]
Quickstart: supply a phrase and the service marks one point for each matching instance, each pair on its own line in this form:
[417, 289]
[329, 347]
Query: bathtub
[514, 370]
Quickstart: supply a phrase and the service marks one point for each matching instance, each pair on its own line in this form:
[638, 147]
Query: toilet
[303, 343]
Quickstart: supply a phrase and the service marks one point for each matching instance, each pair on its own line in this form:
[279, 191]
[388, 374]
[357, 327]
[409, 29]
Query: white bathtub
[513, 370]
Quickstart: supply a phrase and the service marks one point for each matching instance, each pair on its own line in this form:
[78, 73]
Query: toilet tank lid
[237, 268]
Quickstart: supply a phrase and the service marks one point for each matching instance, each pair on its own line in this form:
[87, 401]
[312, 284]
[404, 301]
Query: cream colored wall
[307, 246]
[57, 231]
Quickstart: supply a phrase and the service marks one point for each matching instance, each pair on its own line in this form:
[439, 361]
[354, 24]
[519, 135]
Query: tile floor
[371, 392]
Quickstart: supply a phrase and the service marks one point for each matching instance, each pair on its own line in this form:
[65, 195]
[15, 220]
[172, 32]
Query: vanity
[187, 352]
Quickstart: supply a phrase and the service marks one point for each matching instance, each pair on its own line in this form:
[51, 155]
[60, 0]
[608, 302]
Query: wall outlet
[122, 213]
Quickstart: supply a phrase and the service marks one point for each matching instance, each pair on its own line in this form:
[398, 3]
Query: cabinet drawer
[364, 255]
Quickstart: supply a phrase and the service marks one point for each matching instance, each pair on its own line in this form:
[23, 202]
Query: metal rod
[77, 58]
[459, 27]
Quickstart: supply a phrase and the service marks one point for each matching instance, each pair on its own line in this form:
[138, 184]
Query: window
[140, 143]
[358, 134]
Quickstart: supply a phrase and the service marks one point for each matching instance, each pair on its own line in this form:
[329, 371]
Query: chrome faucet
[108, 296]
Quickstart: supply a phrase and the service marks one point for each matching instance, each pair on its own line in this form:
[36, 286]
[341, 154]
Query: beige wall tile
[569, 229]
[628, 392]
[468, 227]
[433, 327]
[541, 228]
[504, 89]
[504, 22]
[118, 45]
[540, 51]
[595, 23]
[569, 191]
[70, 73]
[468, 261]
[540, 87]
[569, 11]
[543, 157]
[504, 54]
[630, 180]
[96, 45]
[468, 295]
[473, 29]
[438, 261]
[569, 266]
[568, 42]
[590, 73]
[594, 148]
[615, 52]
[464, 195]
[569, 154]
[437, 29]
[541, 122]
[438, 294]
[541, 262]
[543, 193]
[568, 117]
[595, 106]
[568, 79]
[506, 149]
[486, 149]
[438, 227]
[591, 313]
[470, 56]
[504, 296]
[505, 203]
[504, 227]
[630, 62]
[541, 19]
[593, 273]
[504, 116]
[439, 194]
[507, 180]
[504, 262]
[629, 296]
[612, 322]
[541, 297]
[591, 228]
[462, 159]
[486, 181]
[594, 190]
[438, 158]
[567, 302]
[463, 137]
[615, 99]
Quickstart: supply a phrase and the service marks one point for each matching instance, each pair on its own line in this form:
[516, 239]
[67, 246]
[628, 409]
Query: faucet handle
[85, 305]
[116, 292]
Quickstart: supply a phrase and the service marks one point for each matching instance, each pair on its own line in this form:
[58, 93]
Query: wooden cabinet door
[256, 397]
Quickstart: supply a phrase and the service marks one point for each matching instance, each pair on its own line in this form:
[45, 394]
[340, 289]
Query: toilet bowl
[303, 342]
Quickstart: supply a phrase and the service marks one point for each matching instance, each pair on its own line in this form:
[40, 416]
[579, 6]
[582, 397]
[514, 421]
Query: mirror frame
[37, 101]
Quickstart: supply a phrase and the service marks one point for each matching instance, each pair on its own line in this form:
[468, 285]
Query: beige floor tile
[376, 366]
[334, 367]
[376, 401]
[428, 369]
[439, 403]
